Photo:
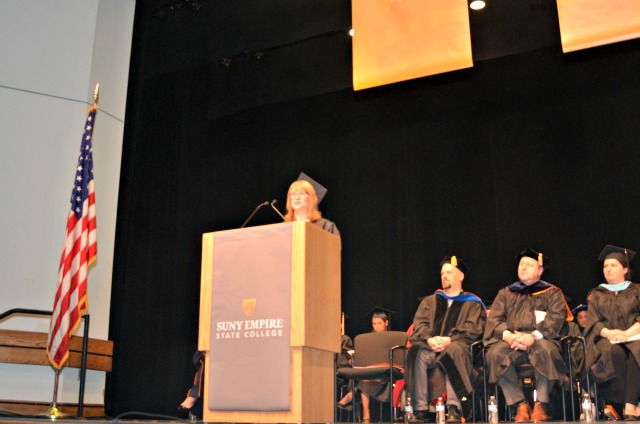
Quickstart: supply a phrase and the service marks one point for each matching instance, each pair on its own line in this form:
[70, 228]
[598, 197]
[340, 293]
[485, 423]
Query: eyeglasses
[301, 194]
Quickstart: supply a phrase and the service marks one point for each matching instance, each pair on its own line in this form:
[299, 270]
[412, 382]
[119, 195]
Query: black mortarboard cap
[578, 308]
[609, 249]
[457, 262]
[320, 190]
[542, 259]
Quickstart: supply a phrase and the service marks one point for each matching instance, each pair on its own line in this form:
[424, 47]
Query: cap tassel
[540, 260]
[454, 261]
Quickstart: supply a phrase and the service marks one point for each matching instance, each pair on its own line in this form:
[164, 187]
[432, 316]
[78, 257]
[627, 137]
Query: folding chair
[376, 360]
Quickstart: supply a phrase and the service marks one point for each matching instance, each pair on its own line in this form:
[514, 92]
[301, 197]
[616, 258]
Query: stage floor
[24, 420]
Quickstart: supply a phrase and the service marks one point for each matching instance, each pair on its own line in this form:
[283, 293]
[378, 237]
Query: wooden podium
[315, 308]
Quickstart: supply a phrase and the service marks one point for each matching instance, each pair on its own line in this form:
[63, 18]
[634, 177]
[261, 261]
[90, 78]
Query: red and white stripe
[71, 297]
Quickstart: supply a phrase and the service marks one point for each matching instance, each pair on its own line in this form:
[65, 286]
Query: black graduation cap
[538, 256]
[381, 312]
[578, 308]
[457, 262]
[609, 249]
[320, 190]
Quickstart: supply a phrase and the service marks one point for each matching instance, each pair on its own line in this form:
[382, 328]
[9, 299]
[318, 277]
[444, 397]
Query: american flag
[80, 249]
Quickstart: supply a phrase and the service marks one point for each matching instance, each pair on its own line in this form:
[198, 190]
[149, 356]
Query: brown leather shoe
[539, 413]
[523, 413]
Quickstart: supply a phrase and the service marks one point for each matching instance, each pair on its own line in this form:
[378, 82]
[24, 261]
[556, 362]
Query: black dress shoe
[422, 417]
[455, 416]
[629, 417]
[183, 412]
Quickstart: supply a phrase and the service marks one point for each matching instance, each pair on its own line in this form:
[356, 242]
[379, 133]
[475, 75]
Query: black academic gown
[515, 312]
[327, 225]
[464, 323]
[613, 310]
[577, 351]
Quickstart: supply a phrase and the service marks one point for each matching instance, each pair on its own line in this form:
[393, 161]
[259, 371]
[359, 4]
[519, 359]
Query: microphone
[254, 212]
[273, 202]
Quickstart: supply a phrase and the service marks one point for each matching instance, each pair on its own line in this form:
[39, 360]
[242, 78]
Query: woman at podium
[302, 205]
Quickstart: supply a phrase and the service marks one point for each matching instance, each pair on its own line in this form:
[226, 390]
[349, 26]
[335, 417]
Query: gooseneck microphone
[254, 212]
[273, 202]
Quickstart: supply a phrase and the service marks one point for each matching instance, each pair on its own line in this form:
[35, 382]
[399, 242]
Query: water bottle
[408, 410]
[440, 417]
[587, 410]
[492, 409]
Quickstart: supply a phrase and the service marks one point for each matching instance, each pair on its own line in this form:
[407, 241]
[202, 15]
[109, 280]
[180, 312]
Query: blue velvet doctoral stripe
[462, 297]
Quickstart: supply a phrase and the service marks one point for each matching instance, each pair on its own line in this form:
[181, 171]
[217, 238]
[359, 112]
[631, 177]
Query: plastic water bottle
[587, 410]
[440, 416]
[408, 410]
[492, 409]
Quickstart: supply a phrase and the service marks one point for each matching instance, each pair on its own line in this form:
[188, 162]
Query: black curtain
[537, 150]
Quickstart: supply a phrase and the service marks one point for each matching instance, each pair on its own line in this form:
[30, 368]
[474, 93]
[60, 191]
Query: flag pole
[53, 412]
[96, 94]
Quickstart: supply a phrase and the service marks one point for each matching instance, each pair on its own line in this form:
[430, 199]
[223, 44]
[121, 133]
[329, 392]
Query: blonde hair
[313, 213]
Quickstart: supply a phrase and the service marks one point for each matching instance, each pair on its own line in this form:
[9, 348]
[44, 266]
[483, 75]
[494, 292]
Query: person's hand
[514, 340]
[617, 336]
[527, 340]
[510, 339]
[520, 341]
[438, 343]
[613, 335]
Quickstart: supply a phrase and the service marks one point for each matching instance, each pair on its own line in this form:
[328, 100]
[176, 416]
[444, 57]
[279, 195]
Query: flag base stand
[53, 412]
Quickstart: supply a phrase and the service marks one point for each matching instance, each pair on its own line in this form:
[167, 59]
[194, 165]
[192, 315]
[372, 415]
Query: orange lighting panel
[590, 23]
[399, 40]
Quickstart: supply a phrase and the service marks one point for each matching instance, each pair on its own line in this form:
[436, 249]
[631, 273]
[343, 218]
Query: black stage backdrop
[536, 149]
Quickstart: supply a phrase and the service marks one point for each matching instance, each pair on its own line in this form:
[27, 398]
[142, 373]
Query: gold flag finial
[454, 261]
[540, 260]
[96, 94]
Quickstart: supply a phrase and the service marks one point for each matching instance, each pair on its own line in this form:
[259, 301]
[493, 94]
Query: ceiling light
[477, 4]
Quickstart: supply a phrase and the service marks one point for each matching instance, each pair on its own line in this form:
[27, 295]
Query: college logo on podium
[249, 306]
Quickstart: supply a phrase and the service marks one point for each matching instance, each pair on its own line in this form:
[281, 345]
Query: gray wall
[53, 54]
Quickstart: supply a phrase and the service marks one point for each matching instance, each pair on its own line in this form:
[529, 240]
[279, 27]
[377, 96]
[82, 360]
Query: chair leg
[570, 364]
[595, 392]
[485, 414]
[354, 411]
[473, 406]
[564, 403]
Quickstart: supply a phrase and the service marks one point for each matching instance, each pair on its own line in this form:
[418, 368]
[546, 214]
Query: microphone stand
[273, 202]
[254, 212]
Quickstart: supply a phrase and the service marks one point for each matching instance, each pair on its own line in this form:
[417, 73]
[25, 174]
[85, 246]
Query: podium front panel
[251, 320]
[304, 272]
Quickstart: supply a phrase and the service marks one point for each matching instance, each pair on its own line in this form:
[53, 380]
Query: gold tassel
[540, 261]
[454, 261]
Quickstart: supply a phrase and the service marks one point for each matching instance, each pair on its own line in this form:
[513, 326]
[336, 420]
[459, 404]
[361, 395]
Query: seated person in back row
[445, 325]
[613, 318]
[379, 323]
[525, 325]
